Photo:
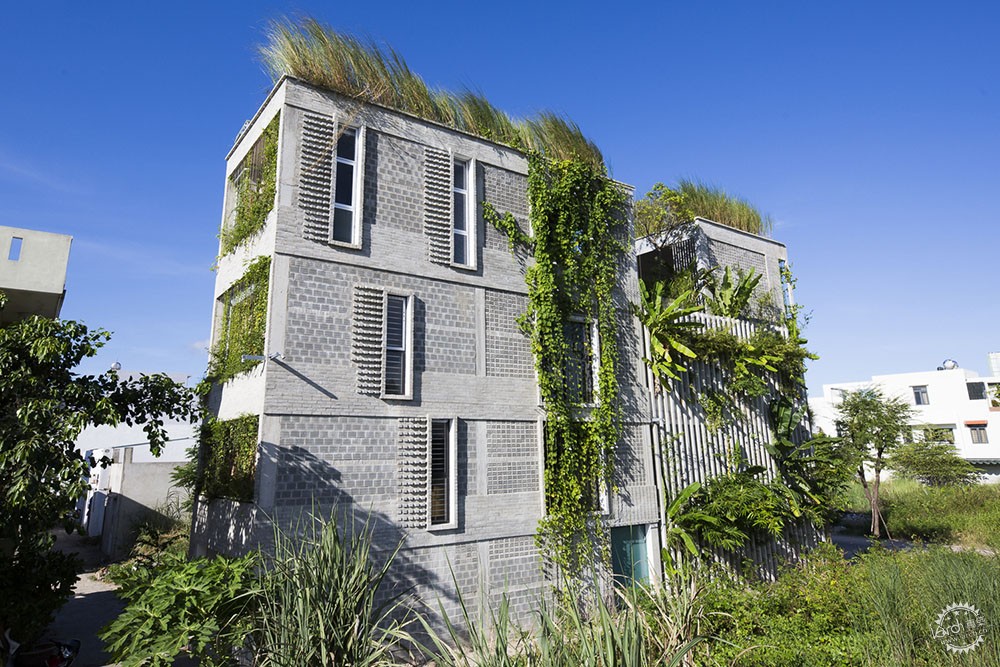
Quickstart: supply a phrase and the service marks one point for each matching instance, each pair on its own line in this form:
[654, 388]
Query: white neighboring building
[954, 399]
[136, 485]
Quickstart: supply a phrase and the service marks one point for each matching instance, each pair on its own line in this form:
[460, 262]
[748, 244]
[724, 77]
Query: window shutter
[440, 472]
[437, 205]
[366, 338]
[316, 169]
[412, 472]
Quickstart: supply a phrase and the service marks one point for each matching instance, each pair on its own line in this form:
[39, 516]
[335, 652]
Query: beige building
[32, 272]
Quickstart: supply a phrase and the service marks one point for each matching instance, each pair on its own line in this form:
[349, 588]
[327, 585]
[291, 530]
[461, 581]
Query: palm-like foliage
[668, 328]
[361, 69]
[730, 296]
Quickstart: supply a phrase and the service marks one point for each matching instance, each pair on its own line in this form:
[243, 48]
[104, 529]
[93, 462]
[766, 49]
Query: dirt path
[93, 605]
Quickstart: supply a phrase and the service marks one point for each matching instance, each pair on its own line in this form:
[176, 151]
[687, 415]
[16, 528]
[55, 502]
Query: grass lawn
[965, 515]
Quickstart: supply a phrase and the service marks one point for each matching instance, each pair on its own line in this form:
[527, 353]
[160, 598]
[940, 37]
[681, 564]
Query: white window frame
[357, 186]
[926, 394]
[471, 219]
[407, 348]
[452, 480]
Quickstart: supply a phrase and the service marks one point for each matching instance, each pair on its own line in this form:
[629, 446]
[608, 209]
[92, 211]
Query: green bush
[181, 607]
[255, 184]
[966, 515]
[230, 457]
[906, 591]
[316, 603]
[878, 610]
[244, 322]
[805, 617]
[933, 462]
[626, 627]
[35, 581]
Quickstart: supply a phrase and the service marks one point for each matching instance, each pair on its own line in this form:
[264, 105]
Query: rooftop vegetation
[363, 70]
[664, 208]
[717, 205]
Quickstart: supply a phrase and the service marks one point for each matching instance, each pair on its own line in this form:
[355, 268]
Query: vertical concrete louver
[412, 472]
[316, 182]
[366, 338]
[437, 205]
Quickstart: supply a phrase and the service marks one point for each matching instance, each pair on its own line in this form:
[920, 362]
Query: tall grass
[626, 627]
[879, 610]
[316, 603]
[907, 591]
[366, 71]
[719, 206]
[967, 515]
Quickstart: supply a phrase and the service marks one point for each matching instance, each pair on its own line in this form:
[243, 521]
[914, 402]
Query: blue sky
[869, 131]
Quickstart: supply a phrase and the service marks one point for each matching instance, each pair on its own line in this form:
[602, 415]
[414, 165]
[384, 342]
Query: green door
[629, 559]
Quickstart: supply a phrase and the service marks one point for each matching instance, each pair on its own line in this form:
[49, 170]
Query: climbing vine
[578, 220]
[255, 183]
[244, 320]
[229, 450]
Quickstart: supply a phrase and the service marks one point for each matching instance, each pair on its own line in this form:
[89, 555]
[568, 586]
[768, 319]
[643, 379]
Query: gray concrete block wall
[332, 445]
[394, 182]
[336, 459]
[508, 349]
[508, 192]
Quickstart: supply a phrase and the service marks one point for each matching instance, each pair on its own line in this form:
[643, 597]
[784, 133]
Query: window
[581, 371]
[920, 396]
[14, 254]
[442, 504]
[977, 391]
[931, 433]
[978, 433]
[629, 555]
[346, 226]
[599, 498]
[463, 229]
[398, 342]
[786, 288]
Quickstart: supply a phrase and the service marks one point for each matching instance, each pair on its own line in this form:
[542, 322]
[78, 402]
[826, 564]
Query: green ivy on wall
[255, 183]
[244, 320]
[229, 451]
[579, 238]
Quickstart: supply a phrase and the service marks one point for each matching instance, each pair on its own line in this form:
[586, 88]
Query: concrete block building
[688, 448]
[396, 386]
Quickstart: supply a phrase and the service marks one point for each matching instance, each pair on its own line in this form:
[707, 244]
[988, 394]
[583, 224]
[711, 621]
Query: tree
[933, 461]
[872, 426]
[44, 405]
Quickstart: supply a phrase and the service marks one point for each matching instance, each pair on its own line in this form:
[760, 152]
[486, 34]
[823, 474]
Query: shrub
[180, 607]
[230, 451]
[317, 601]
[933, 463]
[805, 617]
[255, 185]
[967, 515]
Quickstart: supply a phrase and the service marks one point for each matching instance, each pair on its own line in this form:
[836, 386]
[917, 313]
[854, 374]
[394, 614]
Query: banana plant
[668, 327]
[730, 296]
[806, 466]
